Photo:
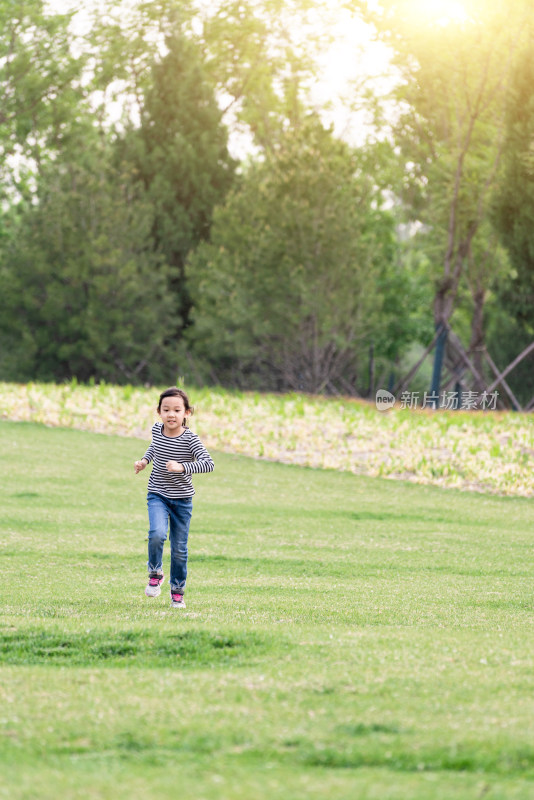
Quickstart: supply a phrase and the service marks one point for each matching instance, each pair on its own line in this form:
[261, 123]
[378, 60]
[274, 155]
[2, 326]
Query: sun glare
[440, 12]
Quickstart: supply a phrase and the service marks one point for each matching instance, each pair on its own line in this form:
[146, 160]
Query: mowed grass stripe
[343, 636]
[126, 648]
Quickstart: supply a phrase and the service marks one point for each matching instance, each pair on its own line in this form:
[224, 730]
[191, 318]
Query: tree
[39, 85]
[153, 177]
[257, 55]
[180, 154]
[450, 132]
[84, 292]
[514, 199]
[261, 57]
[289, 291]
[513, 216]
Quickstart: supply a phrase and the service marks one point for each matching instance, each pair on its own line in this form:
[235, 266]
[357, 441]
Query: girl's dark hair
[175, 392]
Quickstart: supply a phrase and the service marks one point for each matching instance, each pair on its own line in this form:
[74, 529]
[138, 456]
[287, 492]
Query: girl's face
[173, 413]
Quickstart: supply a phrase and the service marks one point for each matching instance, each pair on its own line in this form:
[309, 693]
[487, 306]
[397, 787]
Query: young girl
[176, 453]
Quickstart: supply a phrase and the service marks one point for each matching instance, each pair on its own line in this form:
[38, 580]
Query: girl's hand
[174, 466]
[139, 465]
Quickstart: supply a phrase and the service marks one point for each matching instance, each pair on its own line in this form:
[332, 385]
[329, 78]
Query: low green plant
[480, 451]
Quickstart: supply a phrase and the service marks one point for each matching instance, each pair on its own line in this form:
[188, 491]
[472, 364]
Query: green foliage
[92, 267]
[297, 272]
[453, 90]
[513, 216]
[305, 273]
[448, 133]
[259, 65]
[39, 85]
[180, 154]
[514, 200]
[253, 54]
[84, 292]
[94, 245]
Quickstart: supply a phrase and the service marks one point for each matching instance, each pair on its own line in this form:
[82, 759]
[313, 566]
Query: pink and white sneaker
[153, 588]
[177, 600]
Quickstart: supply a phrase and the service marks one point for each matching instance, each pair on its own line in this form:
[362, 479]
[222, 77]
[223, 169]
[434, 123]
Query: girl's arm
[149, 455]
[202, 462]
[145, 461]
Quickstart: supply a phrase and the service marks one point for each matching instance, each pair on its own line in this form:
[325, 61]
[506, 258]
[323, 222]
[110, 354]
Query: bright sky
[441, 12]
[356, 57]
[353, 59]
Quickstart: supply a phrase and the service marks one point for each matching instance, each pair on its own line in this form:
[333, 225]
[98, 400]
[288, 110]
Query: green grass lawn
[344, 637]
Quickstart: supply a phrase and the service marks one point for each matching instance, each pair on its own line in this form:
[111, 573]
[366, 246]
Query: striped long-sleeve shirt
[186, 449]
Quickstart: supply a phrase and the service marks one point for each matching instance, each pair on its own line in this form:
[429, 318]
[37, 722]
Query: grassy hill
[344, 637]
[487, 452]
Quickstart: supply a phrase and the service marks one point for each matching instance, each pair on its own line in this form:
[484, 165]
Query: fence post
[441, 331]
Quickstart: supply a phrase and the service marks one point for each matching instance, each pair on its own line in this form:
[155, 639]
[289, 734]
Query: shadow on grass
[512, 761]
[247, 566]
[129, 648]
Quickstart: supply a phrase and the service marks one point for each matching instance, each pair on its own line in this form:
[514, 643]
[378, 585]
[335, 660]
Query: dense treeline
[134, 247]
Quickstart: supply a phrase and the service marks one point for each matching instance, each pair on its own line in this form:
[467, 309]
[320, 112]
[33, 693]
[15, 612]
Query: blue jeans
[174, 515]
